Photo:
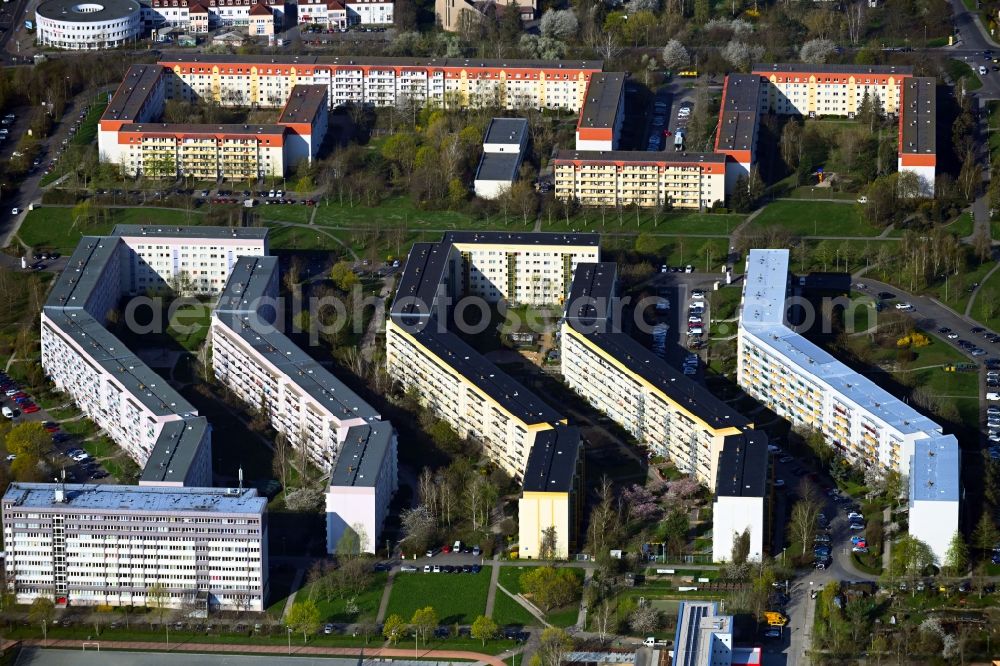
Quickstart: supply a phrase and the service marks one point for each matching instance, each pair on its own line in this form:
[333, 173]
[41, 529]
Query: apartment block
[830, 90]
[201, 15]
[645, 178]
[362, 483]
[804, 384]
[370, 12]
[603, 113]
[106, 545]
[503, 151]
[552, 493]
[742, 496]
[327, 13]
[305, 403]
[918, 130]
[743, 101]
[934, 493]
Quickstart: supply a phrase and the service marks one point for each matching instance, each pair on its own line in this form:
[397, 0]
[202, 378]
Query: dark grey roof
[739, 116]
[300, 368]
[604, 95]
[694, 397]
[361, 455]
[592, 292]
[466, 361]
[83, 272]
[175, 450]
[792, 67]
[132, 92]
[743, 466]
[165, 231]
[418, 286]
[303, 104]
[521, 238]
[507, 130]
[498, 166]
[918, 116]
[552, 461]
[456, 63]
[250, 280]
[105, 10]
[642, 156]
[199, 128]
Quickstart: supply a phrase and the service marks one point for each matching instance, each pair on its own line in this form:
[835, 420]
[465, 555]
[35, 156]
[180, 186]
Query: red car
[51, 427]
[29, 408]
[446, 550]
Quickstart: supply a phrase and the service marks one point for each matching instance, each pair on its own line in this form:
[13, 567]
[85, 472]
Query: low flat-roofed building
[551, 494]
[935, 492]
[503, 151]
[739, 120]
[602, 114]
[742, 492]
[705, 638]
[362, 483]
[306, 116]
[918, 131]
[107, 545]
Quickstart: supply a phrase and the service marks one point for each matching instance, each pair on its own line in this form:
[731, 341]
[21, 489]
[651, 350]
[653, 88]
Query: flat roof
[591, 292]
[743, 466]
[934, 469]
[793, 67]
[522, 238]
[83, 272]
[918, 116]
[640, 156]
[248, 283]
[602, 101]
[512, 131]
[691, 395]
[70, 10]
[697, 624]
[503, 389]
[127, 499]
[455, 63]
[739, 116]
[361, 455]
[552, 461]
[418, 285]
[205, 128]
[104, 349]
[132, 92]
[298, 367]
[175, 450]
[165, 231]
[764, 287]
[498, 166]
[304, 103]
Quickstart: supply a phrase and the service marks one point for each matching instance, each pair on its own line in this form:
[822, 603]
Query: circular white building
[87, 24]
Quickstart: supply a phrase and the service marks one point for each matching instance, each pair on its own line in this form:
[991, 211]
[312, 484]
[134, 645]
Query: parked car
[408, 568]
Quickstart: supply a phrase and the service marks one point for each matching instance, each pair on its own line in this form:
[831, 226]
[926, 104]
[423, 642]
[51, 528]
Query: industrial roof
[456, 63]
[164, 231]
[298, 367]
[175, 450]
[552, 461]
[793, 67]
[132, 92]
[498, 166]
[694, 397]
[361, 455]
[739, 116]
[698, 622]
[641, 156]
[304, 103]
[522, 238]
[743, 465]
[147, 499]
[512, 131]
[602, 102]
[591, 293]
[934, 469]
[250, 281]
[918, 116]
[423, 273]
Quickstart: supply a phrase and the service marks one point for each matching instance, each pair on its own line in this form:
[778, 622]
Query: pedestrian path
[296, 584]
[491, 594]
[383, 605]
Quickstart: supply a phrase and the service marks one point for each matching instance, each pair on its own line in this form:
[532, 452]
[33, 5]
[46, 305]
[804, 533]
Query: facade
[804, 384]
[742, 496]
[644, 178]
[935, 493]
[86, 25]
[261, 21]
[106, 545]
[918, 130]
[369, 12]
[452, 15]
[830, 90]
[602, 114]
[503, 151]
[201, 15]
[705, 638]
[305, 114]
[552, 494]
[743, 100]
[327, 13]
[362, 483]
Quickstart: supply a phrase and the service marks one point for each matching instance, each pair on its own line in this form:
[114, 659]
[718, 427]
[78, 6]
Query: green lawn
[985, 310]
[724, 302]
[560, 617]
[189, 324]
[336, 610]
[816, 218]
[456, 597]
[958, 70]
[812, 192]
[88, 128]
[400, 212]
[54, 228]
[506, 611]
[647, 221]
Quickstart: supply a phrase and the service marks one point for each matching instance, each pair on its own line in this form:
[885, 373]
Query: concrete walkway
[491, 594]
[975, 292]
[383, 605]
[526, 605]
[296, 584]
[581, 616]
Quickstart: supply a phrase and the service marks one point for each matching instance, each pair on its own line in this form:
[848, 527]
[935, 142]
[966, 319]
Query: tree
[304, 616]
[424, 621]
[552, 648]
[816, 51]
[41, 613]
[674, 55]
[675, 530]
[741, 546]
[702, 11]
[986, 535]
[559, 23]
[741, 55]
[802, 524]
[956, 560]
[484, 629]
[28, 439]
[394, 628]
[547, 547]
[158, 597]
[550, 588]
[282, 454]
[909, 558]
[27, 469]
[343, 275]
[644, 620]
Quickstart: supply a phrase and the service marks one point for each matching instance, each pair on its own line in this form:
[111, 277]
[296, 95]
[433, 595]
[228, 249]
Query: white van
[8, 412]
[989, 396]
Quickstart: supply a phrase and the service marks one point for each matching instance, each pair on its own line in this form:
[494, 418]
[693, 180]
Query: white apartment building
[503, 151]
[934, 493]
[369, 12]
[742, 496]
[362, 483]
[327, 13]
[206, 13]
[91, 545]
[305, 402]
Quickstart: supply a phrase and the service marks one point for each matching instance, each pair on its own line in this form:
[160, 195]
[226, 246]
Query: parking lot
[672, 108]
